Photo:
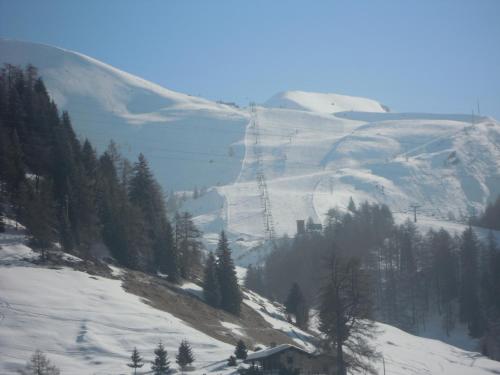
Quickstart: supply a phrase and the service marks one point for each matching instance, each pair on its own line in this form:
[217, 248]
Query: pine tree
[470, 311]
[296, 305]
[169, 261]
[145, 193]
[188, 244]
[161, 364]
[293, 300]
[135, 360]
[230, 290]
[241, 351]
[254, 279]
[185, 355]
[351, 206]
[211, 287]
[39, 217]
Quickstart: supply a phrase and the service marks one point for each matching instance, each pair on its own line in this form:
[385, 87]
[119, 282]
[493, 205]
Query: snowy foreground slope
[88, 325]
[315, 150]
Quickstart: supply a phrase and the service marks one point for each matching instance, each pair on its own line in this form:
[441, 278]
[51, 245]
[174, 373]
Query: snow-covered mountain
[315, 150]
[323, 103]
[185, 138]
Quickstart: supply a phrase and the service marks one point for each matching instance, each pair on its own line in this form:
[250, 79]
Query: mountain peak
[323, 102]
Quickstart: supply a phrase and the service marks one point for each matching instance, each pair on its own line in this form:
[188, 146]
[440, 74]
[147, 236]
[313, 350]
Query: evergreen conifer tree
[185, 355]
[211, 287]
[161, 364]
[39, 217]
[241, 351]
[230, 290]
[188, 244]
[136, 360]
[470, 311]
[254, 279]
[296, 305]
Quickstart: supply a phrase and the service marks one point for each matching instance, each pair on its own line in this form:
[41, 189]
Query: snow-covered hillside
[186, 139]
[89, 324]
[315, 150]
[323, 103]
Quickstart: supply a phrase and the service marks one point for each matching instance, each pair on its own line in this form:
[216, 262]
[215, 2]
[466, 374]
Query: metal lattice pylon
[261, 178]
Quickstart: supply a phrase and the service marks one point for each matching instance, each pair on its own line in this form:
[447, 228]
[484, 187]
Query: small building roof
[272, 351]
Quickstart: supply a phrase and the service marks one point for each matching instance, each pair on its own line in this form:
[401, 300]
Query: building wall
[305, 363]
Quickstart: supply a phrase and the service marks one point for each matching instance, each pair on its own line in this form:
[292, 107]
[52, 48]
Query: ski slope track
[315, 150]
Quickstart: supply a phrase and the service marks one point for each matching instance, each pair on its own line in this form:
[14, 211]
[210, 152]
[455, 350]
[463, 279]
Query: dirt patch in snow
[168, 297]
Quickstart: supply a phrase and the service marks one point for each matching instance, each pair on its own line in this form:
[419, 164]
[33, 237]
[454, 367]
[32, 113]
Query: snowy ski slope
[316, 150]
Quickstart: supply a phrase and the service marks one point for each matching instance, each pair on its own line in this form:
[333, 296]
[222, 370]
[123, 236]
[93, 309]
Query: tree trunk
[340, 358]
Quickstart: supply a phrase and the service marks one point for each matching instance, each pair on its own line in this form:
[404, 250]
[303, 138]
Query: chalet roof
[272, 351]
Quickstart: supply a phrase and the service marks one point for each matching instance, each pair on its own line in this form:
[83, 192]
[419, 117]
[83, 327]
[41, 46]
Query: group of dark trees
[62, 191]
[412, 276]
[490, 217]
[161, 363]
[220, 282]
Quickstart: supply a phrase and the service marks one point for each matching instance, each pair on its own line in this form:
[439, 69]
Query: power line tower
[414, 207]
[265, 202]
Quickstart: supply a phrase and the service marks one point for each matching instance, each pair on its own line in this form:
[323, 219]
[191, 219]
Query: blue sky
[433, 56]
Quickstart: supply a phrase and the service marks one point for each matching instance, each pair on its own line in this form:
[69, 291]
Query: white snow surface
[185, 138]
[89, 325]
[85, 324]
[323, 103]
[316, 150]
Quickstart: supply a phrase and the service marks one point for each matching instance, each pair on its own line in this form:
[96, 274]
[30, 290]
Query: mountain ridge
[312, 158]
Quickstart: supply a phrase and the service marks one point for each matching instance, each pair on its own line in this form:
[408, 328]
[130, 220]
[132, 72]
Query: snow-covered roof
[271, 351]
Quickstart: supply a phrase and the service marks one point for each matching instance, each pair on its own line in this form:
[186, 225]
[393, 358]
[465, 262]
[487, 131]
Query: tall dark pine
[161, 364]
[39, 217]
[211, 287]
[490, 286]
[185, 355]
[169, 257]
[444, 275]
[145, 193]
[254, 279]
[230, 290]
[470, 312]
[493, 258]
[295, 304]
[86, 193]
[188, 244]
[136, 361]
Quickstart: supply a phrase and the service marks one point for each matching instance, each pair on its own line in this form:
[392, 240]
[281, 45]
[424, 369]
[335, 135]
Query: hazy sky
[434, 56]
